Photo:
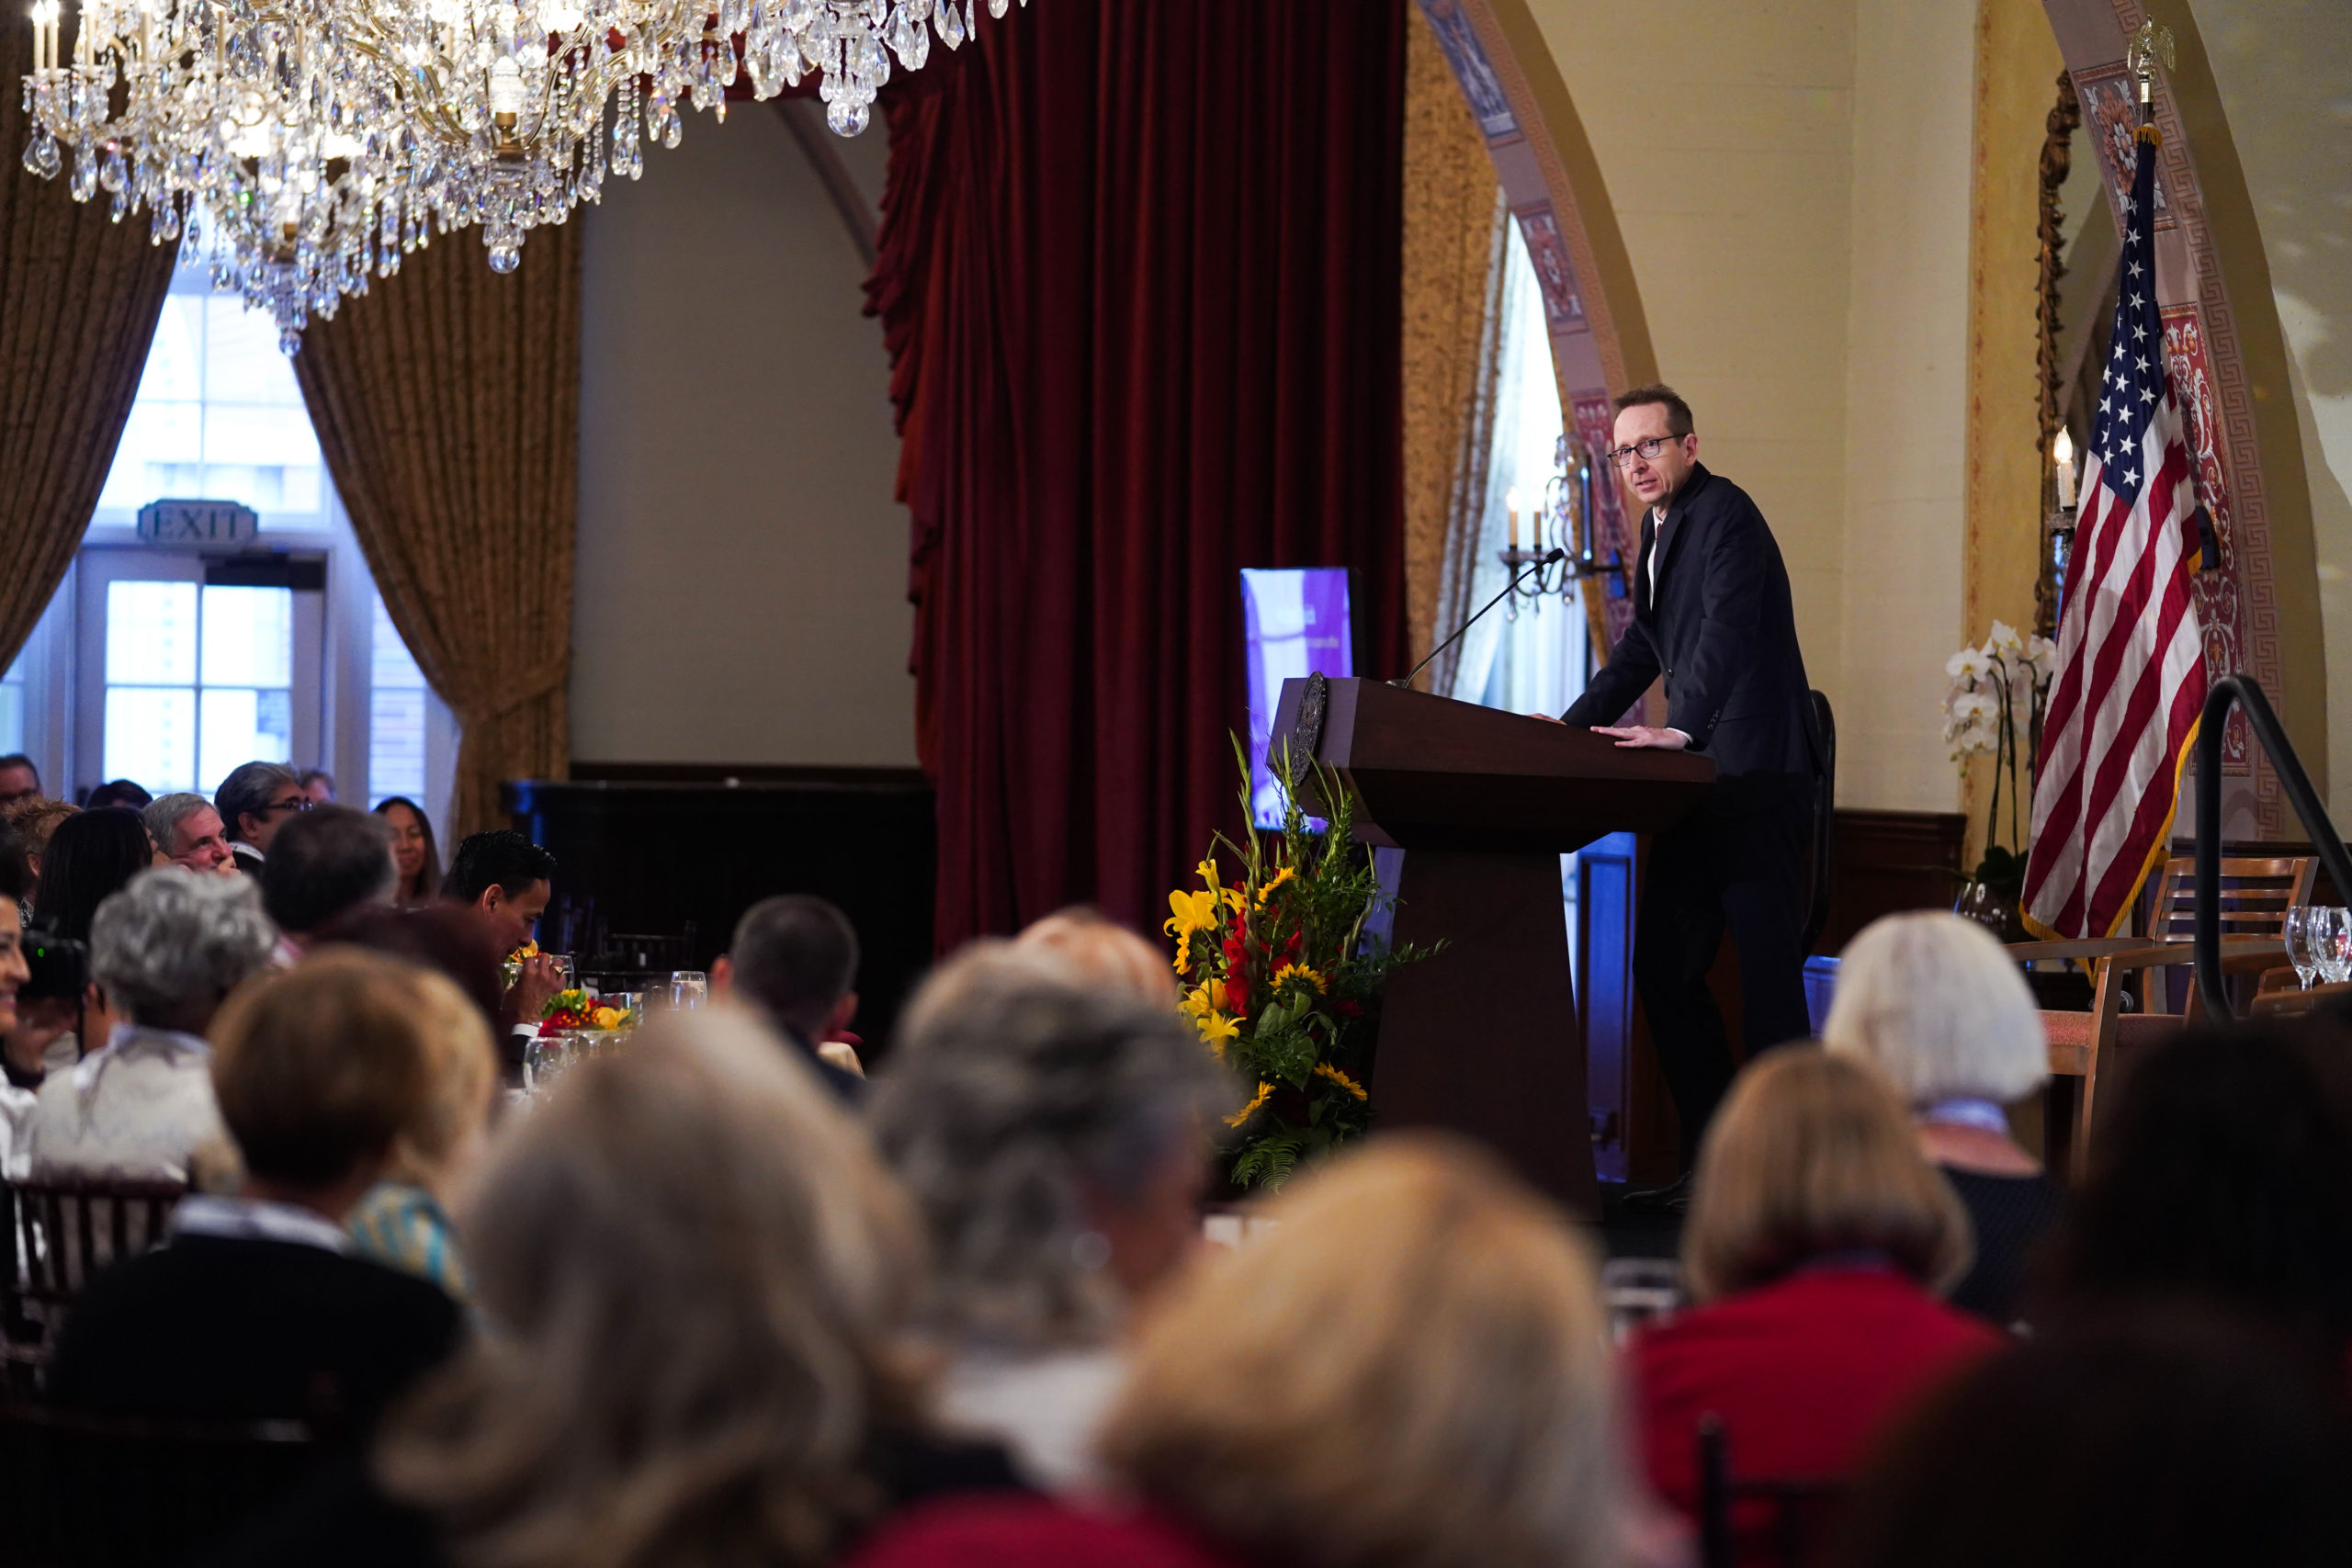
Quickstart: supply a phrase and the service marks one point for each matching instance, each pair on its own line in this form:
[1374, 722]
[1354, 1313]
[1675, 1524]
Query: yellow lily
[1204, 999]
[1206, 871]
[1216, 1029]
[1192, 913]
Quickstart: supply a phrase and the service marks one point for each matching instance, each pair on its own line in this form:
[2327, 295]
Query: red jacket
[1803, 1372]
[1001, 1531]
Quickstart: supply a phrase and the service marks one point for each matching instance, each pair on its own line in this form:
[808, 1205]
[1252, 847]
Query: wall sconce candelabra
[1563, 525]
[2057, 541]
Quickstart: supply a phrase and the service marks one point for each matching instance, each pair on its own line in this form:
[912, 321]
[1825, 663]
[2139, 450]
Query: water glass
[2296, 933]
[566, 974]
[688, 988]
[1639, 1291]
[2332, 944]
[548, 1058]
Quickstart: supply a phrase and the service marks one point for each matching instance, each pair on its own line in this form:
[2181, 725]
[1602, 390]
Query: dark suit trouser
[1736, 863]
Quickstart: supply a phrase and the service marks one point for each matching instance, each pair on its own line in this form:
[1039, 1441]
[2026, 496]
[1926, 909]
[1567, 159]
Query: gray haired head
[246, 792]
[1011, 1100]
[164, 814]
[170, 945]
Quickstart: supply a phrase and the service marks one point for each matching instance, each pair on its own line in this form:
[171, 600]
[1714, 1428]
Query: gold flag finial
[2151, 43]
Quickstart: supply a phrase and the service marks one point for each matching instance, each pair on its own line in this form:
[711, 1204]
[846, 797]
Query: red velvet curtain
[1140, 279]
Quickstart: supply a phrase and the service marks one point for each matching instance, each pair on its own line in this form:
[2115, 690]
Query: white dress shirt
[139, 1106]
[1047, 1409]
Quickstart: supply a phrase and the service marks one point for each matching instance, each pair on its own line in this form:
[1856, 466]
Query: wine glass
[547, 1057]
[2297, 933]
[566, 974]
[688, 988]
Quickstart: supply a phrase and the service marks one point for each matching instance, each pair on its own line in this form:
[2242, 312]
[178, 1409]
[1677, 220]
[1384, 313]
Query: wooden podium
[1483, 1038]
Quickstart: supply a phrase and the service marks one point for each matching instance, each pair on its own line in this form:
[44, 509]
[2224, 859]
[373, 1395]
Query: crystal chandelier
[314, 143]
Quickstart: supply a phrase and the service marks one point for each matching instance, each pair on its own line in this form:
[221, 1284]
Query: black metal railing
[2240, 692]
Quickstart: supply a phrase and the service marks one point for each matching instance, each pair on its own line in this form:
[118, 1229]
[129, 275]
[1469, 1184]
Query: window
[218, 417]
[171, 665]
[397, 717]
[199, 679]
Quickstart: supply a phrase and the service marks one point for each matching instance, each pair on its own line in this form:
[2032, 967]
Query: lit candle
[2064, 452]
[1510, 502]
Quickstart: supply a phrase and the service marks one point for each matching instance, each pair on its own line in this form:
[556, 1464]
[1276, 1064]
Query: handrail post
[2240, 690]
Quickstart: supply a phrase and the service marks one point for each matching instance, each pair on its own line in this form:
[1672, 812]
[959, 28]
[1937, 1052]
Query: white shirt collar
[130, 1039]
[253, 1219]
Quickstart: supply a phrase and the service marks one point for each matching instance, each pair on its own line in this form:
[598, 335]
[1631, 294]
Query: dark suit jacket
[231, 1329]
[1723, 633]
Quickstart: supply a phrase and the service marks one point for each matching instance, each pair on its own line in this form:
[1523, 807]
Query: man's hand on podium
[1643, 736]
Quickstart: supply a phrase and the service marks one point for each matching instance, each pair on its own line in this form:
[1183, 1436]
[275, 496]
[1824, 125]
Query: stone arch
[1600, 341]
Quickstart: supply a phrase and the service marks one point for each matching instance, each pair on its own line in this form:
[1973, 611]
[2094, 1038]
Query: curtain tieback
[538, 682]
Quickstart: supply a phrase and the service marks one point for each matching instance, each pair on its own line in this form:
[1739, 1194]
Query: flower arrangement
[565, 1009]
[1995, 689]
[1281, 981]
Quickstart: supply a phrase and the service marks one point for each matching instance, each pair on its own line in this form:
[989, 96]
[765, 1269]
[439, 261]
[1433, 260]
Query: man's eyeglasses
[1647, 450]
[291, 803]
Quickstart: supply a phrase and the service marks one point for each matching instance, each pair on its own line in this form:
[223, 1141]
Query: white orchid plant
[1998, 691]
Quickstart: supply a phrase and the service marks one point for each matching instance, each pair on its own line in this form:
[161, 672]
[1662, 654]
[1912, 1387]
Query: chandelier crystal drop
[313, 143]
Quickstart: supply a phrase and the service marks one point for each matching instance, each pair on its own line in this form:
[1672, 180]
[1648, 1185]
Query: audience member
[404, 1219]
[454, 941]
[167, 951]
[793, 958]
[1102, 955]
[2222, 1173]
[189, 832]
[1943, 1012]
[256, 1309]
[16, 1100]
[508, 879]
[2164, 1440]
[35, 818]
[255, 801]
[327, 864]
[92, 856]
[1058, 1142]
[1817, 1237]
[18, 777]
[317, 785]
[118, 793]
[413, 852]
[1413, 1369]
[703, 1362]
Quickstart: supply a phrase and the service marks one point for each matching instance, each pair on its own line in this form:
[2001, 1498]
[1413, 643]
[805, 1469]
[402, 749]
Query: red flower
[1346, 1009]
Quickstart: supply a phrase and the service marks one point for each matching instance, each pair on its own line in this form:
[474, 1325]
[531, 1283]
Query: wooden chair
[2256, 896]
[61, 1231]
[1800, 1512]
[82, 1490]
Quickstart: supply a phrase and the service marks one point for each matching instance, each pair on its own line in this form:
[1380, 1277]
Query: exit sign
[196, 523]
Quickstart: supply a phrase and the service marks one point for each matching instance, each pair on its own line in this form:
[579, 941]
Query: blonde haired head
[1410, 1369]
[1811, 1154]
[1941, 1010]
[1101, 954]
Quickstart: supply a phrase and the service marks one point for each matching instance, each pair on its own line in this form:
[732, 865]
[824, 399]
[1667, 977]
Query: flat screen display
[1296, 623]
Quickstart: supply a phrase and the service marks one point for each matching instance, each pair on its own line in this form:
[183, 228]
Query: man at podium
[1712, 617]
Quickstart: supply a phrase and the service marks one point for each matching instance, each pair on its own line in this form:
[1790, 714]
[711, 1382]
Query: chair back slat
[2256, 893]
[63, 1230]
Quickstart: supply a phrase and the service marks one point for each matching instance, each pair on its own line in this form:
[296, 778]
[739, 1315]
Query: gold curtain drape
[79, 295]
[1453, 251]
[446, 402]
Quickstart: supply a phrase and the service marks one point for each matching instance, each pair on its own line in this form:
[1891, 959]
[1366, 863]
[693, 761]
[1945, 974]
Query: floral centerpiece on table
[1998, 694]
[577, 1009]
[1282, 980]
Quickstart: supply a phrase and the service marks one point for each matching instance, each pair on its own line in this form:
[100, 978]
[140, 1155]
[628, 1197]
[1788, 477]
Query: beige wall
[1794, 199]
[742, 585]
[2284, 69]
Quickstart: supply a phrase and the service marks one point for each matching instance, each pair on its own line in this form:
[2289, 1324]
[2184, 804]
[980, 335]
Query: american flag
[2130, 661]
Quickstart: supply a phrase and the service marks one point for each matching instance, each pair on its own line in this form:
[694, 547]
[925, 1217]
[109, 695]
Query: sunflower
[1325, 1070]
[1257, 1102]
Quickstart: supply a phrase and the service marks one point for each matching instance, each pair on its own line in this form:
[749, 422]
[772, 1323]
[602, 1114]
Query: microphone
[1554, 559]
